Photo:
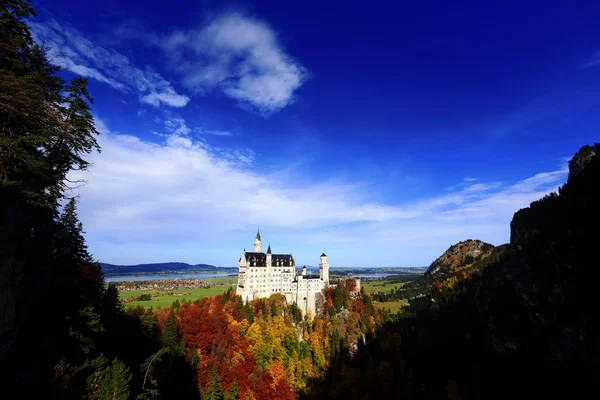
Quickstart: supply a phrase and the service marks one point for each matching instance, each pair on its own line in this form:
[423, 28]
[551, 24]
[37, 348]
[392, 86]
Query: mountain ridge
[162, 268]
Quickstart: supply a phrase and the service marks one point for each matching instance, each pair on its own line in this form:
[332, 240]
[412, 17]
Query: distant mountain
[459, 256]
[163, 268]
[377, 270]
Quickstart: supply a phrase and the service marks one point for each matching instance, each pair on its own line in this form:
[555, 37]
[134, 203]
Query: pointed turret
[269, 256]
[257, 242]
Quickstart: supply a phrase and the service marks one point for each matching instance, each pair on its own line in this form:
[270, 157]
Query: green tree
[233, 393]
[47, 127]
[115, 382]
[214, 390]
[169, 337]
[46, 130]
[149, 383]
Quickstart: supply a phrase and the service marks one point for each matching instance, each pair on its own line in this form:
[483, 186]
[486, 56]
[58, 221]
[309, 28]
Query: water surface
[164, 277]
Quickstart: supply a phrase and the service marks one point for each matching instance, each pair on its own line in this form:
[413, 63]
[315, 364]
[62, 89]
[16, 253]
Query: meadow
[381, 284]
[165, 298]
[392, 306]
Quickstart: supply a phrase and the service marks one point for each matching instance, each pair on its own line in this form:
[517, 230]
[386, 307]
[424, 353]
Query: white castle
[261, 275]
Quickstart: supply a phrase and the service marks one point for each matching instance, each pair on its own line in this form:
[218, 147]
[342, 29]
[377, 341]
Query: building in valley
[263, 274]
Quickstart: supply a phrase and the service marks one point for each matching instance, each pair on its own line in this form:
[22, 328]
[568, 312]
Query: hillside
[163, 268]
[458, 257]
[522, 324]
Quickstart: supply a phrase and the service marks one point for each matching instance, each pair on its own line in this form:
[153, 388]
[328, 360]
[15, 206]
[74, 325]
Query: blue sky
[380, 135]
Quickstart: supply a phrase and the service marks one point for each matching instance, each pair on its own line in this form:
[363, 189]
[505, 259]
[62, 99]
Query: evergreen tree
[169, 336]
[149, 384]
[233, 393]
[46, 130]
[46, 127]
[214, 391]
[115, 382]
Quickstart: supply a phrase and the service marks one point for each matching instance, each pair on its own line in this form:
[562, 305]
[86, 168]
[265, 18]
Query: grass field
[380, 285]
[222, 279]
[392, 306]
[163, 299]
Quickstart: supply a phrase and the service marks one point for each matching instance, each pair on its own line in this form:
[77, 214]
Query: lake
[360, 276]
[163, 277]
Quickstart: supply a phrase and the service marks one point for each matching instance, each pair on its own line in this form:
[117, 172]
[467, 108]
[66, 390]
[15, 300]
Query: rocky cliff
[527, 223]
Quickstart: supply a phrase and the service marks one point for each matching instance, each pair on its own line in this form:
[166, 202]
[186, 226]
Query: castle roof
[269, 249]
[305, 277]
[323, 255]
[286, 260]
[258, 234]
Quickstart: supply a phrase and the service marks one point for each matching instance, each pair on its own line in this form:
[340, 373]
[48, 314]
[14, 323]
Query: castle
[261, 275]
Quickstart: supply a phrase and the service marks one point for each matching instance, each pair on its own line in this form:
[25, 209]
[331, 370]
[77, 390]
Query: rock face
[581, 159]
[528, 222]
[458, 257]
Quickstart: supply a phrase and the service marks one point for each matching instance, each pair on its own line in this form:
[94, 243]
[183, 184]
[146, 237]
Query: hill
[163, 268]
[459, 256]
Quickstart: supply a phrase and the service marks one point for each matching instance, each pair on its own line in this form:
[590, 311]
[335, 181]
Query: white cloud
[168, 97]
[214, 132]
[593, 61]
[71, 50]
[176, 125]
[240, 56]
[184, 190]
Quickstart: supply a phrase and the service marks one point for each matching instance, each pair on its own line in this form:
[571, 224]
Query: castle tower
[257, 242]
[269, 256]
[242, 276]
[324, 269]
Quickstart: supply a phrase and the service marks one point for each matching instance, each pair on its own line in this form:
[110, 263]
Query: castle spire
[269, 249]
[257, 242]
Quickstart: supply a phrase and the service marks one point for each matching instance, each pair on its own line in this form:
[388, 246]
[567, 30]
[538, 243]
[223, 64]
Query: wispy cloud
[593, 61]
[175, 125]
[241, 57]
[161, 194]
[71, 50]
[217, 132]
[214, 132]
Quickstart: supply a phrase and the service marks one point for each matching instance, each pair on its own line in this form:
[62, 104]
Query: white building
[261, 275]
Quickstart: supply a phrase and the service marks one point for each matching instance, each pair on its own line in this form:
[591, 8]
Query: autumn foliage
[266, 349]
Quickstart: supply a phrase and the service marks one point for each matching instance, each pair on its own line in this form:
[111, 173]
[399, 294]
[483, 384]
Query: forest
[519, 323]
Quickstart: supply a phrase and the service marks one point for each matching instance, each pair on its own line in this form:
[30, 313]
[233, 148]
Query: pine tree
[46, 130]
[233, 393]
[115, 382]
[149, 384]
[169, 336]
[214, 391]
[46, 126]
